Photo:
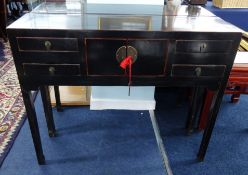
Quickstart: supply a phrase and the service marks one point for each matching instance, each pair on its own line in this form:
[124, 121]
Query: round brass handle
[48, 45]
[51, 70]
[198, 71]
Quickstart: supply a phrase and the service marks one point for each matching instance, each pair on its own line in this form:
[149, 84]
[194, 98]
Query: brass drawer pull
[203, 47]
[48, 45]
[51, 70]
[198, 71]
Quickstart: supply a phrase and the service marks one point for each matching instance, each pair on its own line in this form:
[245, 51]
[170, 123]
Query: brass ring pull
[48, 45]
[198, 71]
[51, 70]
[203, 47]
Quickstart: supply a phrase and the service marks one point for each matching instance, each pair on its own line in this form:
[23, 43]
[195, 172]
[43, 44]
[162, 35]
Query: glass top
[82, 15]
[59, 6]
[156, 7]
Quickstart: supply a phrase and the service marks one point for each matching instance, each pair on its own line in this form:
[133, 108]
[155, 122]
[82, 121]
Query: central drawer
[101, 58]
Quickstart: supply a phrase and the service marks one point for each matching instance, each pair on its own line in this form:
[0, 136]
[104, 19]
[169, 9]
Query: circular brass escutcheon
[131, 51]
[124, 51]
[121, 53]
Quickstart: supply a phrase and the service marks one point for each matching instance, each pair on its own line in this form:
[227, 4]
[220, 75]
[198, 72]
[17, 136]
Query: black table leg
[57, 98]
[192, 111]
[214, 109]
[48, 110]
[32, 119]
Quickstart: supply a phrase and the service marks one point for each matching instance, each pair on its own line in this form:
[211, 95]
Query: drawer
[43, 44]
[181, 70]
[101, 56]
[203, 46]
[36, 69]
[201, 58]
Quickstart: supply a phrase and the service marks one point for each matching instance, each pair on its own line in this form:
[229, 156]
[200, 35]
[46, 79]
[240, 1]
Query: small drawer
[36, 69]
[179, 70]
[43, 44]
[203, 46]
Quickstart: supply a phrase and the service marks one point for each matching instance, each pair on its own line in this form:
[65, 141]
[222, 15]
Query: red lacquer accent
[237, 84]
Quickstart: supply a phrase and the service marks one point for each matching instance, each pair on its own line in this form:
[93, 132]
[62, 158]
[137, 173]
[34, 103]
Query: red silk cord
[128, 61]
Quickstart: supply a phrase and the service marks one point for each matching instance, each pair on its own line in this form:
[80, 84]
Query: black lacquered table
[182, 46]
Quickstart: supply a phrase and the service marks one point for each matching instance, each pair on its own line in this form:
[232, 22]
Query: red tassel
[128, 61]
[125, 62]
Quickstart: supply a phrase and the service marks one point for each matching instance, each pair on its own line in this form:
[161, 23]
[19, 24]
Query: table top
[123, 18]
